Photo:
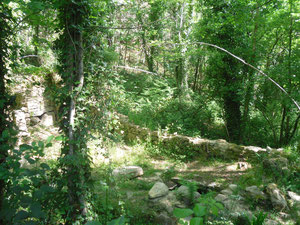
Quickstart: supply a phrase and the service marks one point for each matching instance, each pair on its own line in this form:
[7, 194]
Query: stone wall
[189, 146]
[32, 107]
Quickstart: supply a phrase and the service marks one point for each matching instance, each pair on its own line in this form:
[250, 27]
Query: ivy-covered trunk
[72, 18]
[6, 131]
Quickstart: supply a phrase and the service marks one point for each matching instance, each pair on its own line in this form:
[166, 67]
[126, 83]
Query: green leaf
[30, 160]
[196, 221]
[25, 147]
[93, 223]
[22, 215]
[219, 205]
[182, 213]
[36, 210]
[45, 166]
[200, 210]
[46, 188]
[118, 221]
[215, 210]
[41, 144]
[59, 138]
[48, 145]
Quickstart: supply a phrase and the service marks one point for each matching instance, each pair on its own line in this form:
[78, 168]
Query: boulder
[233, 187]
[128, 172]
[255, 192]
[165, 203]
[294, 197]
[183, 193]
[158, 190]
[277, 199]
[221, 198]
[277, 166]
[164, 219]
[227, 192]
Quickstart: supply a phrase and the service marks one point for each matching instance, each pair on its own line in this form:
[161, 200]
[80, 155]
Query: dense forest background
[214, 69]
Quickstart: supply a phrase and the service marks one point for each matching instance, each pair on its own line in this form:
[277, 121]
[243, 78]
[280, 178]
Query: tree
[72, 18]
[6, 131]
[224, 25]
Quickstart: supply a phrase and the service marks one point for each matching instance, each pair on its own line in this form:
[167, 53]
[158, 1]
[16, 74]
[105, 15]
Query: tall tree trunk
[5, 125]
[181, 74]
[250, 73]
[232, 102]
[72, 20]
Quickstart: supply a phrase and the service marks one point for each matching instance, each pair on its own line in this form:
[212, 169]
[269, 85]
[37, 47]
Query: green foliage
[202, 211]
[32, 193]
[150, 102]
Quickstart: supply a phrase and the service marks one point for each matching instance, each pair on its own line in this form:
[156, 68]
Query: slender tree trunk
[73, 17]
[3, 97]
[250, 83]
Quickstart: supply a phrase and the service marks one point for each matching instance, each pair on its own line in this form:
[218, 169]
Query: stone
[255, 149]
[165, 203]
[214, 186]
[184, 194]
[34, 120]
[35, 106]
[48, 119]
[20, 120]
[238, 166]
[159, 189]
[227, 192]
[255, 192]
[277, 199]
[233, 187]
[221, 198]
[164, 219]
[128, 172]
[276, 165]
[294, 196]
[271, 222]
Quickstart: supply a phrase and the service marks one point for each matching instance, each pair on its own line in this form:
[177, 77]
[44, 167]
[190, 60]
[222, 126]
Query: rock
[233, 187]
[165, 203]
[171, 185]
[277, 199]
[35, 106]
[184, 194]
[276, 165]
[48, 119]
[226, 192]
[255, 149]
[294, 196]
[20, 119]
[271, 222]
[164, 219]
[158, 190]
[214, 186]
[255, 192]
[238, 166]
[34, 120]
[221, 198]
[128, 172]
